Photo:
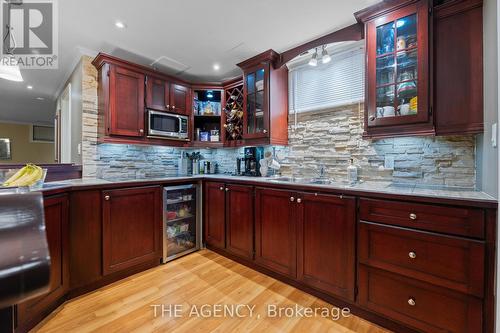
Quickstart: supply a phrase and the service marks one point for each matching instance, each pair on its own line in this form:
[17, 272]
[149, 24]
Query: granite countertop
[414, 190]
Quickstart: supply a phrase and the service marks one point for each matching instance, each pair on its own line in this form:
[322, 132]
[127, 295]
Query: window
[42, 133]
[339, 82]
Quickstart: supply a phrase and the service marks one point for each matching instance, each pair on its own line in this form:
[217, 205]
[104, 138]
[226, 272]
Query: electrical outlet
[389, 162]
[494, 135]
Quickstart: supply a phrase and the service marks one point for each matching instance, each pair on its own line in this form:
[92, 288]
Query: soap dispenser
[352, 172]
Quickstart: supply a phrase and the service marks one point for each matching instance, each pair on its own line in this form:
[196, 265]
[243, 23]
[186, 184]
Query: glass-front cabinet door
[397, 51]
[256, 114]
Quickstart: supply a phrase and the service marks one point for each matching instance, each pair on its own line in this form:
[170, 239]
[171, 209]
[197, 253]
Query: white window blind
[339, 82]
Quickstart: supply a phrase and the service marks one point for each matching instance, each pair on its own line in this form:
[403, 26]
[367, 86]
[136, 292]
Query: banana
[16, 176]
[27, 176]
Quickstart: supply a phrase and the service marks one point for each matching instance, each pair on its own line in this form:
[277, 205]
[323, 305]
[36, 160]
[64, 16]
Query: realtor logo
[31, 35]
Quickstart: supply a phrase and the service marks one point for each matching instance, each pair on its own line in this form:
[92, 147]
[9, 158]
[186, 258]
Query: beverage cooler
[181, 221]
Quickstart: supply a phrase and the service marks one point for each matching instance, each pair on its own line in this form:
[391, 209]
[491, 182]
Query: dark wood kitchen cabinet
[397, 75]
[57, 224]
[325, 244]
[163, 95]
[126, 102]
[275, 230]
[265, 100]
[228, 222]
[412, 265]
[157, 94]
[214, 223]
[239, 220]
[131, 227]
[458, 67]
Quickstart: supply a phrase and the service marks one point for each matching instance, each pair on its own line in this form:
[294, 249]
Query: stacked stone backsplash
[328, 137]
[332, 137]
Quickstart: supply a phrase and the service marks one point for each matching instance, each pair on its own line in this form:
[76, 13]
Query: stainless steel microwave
[167, 126]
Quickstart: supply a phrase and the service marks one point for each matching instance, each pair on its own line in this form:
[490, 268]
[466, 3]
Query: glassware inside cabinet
[397, 68]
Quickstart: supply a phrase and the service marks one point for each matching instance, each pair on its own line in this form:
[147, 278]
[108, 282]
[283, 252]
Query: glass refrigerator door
[181, 226]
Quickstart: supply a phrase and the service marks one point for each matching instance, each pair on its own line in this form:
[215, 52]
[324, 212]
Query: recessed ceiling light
[120, 25]
[29, 87]
[216, 67]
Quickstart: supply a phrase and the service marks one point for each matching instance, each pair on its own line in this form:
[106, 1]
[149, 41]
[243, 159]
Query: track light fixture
[314, 60]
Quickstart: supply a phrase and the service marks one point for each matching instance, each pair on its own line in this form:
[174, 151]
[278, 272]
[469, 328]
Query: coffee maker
[251, 161]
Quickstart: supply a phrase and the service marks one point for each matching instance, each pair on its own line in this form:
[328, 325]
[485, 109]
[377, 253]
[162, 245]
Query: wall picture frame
[5, 149]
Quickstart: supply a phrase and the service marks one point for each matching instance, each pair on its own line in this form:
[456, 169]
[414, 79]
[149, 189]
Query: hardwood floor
[190, 282]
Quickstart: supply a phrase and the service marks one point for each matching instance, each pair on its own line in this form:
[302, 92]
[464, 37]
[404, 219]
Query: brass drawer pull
[292, 199]
[107, 197]
[299, 200]
[221, 188]
[412, 255]
[411, 301]
[413, 216]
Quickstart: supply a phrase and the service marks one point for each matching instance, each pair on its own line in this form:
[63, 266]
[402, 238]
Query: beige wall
[22, 150]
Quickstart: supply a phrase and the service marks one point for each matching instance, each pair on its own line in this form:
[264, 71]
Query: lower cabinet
[418, 304]
[131, 226]
[239, 220]
[276, 230]
[431, 281]
[56, 222]
[228, 220]
[325, 244]
[214, 222]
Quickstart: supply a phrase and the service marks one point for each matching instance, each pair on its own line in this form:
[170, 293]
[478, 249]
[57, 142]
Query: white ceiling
[195, 34]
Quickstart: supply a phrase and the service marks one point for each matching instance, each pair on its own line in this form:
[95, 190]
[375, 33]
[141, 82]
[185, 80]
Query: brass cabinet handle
[413, 216]
[412, 255]
[168, 106]
[292, 199]
[227, 190]
[173, 107]
[221, 188]
[107, 197]
[299, 200]
[264, 131]
[411, 301]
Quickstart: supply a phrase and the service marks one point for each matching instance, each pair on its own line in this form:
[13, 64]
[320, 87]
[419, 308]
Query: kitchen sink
[300, 180]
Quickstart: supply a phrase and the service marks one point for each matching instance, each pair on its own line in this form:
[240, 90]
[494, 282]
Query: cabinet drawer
[450, 220]
[418, 304]
[448, 261]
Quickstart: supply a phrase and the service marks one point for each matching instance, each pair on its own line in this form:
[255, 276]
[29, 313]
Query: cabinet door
[397, 71]
[256, 103]
[214, 222]
[275, 230]
[157, 94]
[326, 243]
[132, 227]
[56, 223]
[126, 95]
[458, 68]
[179, 96]
[239, 220]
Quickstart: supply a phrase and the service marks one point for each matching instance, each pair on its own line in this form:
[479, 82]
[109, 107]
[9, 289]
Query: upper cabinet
[161, 95]
[423, 74]
[265, 100]
[126, 102]
[157, 94]
[126, 91]
[397, 75]
[458, 67]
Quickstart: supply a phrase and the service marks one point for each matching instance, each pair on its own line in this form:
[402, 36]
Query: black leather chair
[24, 253]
